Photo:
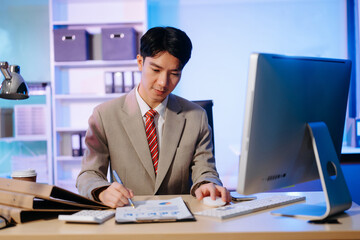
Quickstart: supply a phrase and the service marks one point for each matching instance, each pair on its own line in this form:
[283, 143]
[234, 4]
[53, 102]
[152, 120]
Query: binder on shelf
[109, 83]
[128, 81]
[137, 77]
[121, 81]
[76, 144]
[24, 201]
[82, 143]
[118, 82]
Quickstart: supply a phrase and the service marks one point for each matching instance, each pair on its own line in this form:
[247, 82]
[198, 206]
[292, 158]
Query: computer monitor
[294, 116]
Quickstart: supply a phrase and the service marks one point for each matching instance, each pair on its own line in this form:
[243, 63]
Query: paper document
[155, 211]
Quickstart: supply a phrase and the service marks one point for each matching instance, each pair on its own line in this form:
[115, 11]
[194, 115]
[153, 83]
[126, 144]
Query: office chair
[208, 105]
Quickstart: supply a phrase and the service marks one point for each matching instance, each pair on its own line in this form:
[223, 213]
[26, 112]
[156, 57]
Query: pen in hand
[119, 181]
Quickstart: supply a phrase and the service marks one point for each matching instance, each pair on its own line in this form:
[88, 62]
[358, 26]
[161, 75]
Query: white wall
[225, 32]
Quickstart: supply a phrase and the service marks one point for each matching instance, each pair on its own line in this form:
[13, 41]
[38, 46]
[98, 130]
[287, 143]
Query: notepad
[170, 210]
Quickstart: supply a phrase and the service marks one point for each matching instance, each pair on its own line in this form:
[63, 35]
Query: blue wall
[224, 34]
[24, 37]
[24, 41]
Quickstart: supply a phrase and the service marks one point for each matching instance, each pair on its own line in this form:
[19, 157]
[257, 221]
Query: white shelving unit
[79, 86]
[43, 163]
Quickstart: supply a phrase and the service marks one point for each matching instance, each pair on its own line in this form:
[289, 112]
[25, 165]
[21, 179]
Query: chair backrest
[208, 106]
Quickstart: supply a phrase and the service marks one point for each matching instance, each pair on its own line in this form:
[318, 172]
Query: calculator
[88, 216]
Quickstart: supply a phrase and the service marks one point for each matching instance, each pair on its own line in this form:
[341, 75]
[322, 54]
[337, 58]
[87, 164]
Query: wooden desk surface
[260, 225]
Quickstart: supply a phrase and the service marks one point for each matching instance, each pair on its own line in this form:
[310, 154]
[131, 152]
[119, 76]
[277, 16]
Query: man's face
[159, 76]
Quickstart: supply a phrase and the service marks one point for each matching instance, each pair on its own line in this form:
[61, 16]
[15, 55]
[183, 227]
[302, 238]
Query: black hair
[169, 39]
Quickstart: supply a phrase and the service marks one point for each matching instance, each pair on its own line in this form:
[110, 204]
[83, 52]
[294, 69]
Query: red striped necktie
[151, 137]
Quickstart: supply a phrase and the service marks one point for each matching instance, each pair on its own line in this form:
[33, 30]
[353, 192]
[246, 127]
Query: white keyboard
[88, 216]
[247, 207]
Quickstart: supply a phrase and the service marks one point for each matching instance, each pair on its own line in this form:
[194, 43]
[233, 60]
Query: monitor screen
[284, 94]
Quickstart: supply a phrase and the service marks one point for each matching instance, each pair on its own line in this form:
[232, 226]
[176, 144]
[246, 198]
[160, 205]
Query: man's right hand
[116, 195]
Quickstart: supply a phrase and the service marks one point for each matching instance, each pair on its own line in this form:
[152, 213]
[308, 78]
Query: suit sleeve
[203, 165]
[95, 161]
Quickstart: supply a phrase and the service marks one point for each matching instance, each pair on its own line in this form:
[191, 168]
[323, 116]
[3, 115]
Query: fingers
[198, 194]
[224, 193]
[116, 195]
[212, 190]
[122, 190]
[204, 190]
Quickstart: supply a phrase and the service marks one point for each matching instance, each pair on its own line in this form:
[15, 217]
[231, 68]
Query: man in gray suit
[181, 160]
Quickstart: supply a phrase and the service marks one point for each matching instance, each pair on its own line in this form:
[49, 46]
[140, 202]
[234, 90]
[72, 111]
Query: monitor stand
[337, 195]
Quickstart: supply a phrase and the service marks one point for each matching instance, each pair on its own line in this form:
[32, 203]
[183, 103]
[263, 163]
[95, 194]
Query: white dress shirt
[159, 118]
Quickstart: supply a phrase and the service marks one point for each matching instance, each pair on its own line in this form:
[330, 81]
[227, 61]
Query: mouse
[213, 203]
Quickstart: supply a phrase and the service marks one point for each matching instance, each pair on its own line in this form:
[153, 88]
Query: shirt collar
[144, 107]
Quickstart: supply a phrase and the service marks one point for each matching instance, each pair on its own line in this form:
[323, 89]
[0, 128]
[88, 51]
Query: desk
[260, 225]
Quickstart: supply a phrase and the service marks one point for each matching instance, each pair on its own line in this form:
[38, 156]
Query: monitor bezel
[244, 180]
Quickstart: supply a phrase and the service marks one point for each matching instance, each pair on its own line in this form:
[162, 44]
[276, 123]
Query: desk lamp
[13, 86]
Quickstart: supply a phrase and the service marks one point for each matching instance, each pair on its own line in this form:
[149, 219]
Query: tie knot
[151, 113]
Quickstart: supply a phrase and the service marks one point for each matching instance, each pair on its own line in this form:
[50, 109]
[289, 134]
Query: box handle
[117, 35]
[65, 38]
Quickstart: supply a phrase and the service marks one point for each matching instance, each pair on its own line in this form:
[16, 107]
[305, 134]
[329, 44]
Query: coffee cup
[26, 175]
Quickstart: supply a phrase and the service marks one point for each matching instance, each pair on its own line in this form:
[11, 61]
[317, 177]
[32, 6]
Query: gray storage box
[119, 43]
[71, 45]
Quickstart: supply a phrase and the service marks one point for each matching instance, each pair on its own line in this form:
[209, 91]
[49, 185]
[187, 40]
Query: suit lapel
[172, 130]
[134, 127]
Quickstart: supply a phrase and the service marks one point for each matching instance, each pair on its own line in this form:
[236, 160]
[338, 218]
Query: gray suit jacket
[116, 135]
